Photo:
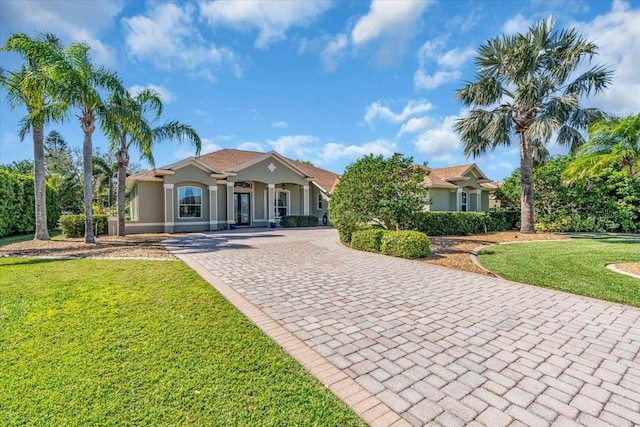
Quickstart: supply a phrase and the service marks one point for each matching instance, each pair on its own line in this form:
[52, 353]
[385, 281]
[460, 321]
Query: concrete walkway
[433, 345]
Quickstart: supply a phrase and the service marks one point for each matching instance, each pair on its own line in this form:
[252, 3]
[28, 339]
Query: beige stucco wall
[150, 202]
[260, 172]
[190, 173]
[440, 199]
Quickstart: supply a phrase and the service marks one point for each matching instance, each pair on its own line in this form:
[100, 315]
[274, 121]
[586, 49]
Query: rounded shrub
[367, 240]
[405, 244]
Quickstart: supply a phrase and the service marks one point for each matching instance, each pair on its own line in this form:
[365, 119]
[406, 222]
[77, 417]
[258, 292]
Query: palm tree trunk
[42, 232]
[526, 183]
[87, 156]
[122, 157]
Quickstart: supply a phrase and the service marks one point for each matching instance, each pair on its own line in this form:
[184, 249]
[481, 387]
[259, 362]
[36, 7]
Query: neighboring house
[211, 191]
[461, 188]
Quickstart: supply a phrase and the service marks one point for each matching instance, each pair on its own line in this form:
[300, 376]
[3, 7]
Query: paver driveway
[437, 345]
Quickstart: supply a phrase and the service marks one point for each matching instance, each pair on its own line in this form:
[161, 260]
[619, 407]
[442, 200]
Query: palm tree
[104, 173]
[80, 82]
[127, 125]
[524, 80]
[31, 86]
[612, 141]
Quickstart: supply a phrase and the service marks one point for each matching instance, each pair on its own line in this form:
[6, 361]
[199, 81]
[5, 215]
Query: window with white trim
[282, 203]
[189, 202]
[463, 201]
[320, 202]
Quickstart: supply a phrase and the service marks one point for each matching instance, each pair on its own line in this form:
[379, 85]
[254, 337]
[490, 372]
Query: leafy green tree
[130, 123]
[31, 87]
[24, 167]
[612, 141]
[105, 171]
[79, 82]
[524, 80]
[374, 189]
[64, 172]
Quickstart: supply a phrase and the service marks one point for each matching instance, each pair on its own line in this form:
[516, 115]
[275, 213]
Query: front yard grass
[113, 342]
[576, 266]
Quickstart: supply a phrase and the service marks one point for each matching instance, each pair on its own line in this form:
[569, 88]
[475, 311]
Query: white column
[213, 207]
[168, 208]
[230, 201]
[478, 200]
[459, 199]
[305, 195]
[271, 202]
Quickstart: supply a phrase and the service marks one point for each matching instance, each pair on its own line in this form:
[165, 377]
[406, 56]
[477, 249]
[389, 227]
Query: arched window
[189, 202]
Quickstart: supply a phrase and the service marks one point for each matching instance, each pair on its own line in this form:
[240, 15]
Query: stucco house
[253, 189]
[461, 188]
[213, 190]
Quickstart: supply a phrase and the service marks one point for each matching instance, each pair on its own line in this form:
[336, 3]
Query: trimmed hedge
[73, 225]
[461, 223]
[368, 240]
[291, 221]
[17, 204]
[405, 244]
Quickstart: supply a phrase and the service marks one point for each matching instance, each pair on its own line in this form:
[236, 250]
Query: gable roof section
[231, 160]
[446, 177]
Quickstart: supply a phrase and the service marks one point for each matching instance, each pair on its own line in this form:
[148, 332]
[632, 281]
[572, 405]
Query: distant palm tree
[524, 80]
[31, 86]
[79, 83]
[612, 141]
[104, 174]
[127, 125]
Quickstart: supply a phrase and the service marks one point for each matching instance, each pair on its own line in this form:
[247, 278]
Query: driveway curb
[373, 411]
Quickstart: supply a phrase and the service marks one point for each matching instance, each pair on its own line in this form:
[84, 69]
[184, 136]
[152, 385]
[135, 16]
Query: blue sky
[324, 81]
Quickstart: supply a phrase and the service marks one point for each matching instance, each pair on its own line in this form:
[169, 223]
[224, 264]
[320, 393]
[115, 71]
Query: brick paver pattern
[438, 346]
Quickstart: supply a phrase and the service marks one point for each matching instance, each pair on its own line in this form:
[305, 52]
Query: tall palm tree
[612, 141]
[127, 125]
[80, 82]
[524, 80]
[31, 87]
[104, 173]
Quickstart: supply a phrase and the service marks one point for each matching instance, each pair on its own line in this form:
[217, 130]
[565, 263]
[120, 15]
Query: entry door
[242, 207]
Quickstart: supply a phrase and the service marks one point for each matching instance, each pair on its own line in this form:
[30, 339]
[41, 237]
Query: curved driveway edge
[437, 346]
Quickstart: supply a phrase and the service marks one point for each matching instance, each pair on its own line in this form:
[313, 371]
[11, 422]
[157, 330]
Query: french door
[242, 208]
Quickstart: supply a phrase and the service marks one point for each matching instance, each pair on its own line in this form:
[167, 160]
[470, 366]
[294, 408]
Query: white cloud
[449, 63]
[333, 52]
[456, 58]
[617, 34]
[251, 146]
[379, 111]
[272, 19]
[333, 151]
[293, 145]
[440, 143]
[166, 96]
[168, 38]
[208, 146]
[517, 24]
[415, 125]
[281, 124]
[422, 80]
[67, 19]
[388, 18]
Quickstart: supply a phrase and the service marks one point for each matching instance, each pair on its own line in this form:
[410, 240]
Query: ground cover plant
[114, 342]
[576, 266]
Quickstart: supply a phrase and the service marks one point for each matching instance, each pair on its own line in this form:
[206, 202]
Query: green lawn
[24, 237]
[148, 343]
[576, 266]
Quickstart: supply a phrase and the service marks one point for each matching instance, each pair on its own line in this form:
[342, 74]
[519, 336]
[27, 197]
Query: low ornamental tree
[374, 189]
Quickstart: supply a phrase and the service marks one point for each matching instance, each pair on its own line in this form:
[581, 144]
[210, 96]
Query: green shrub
[291, 221]
[73, 225]
[405, 244]
[17, 204]
[368, 239]
[462, 223]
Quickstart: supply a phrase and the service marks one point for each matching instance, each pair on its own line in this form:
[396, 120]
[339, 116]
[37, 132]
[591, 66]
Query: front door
[242, 208]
